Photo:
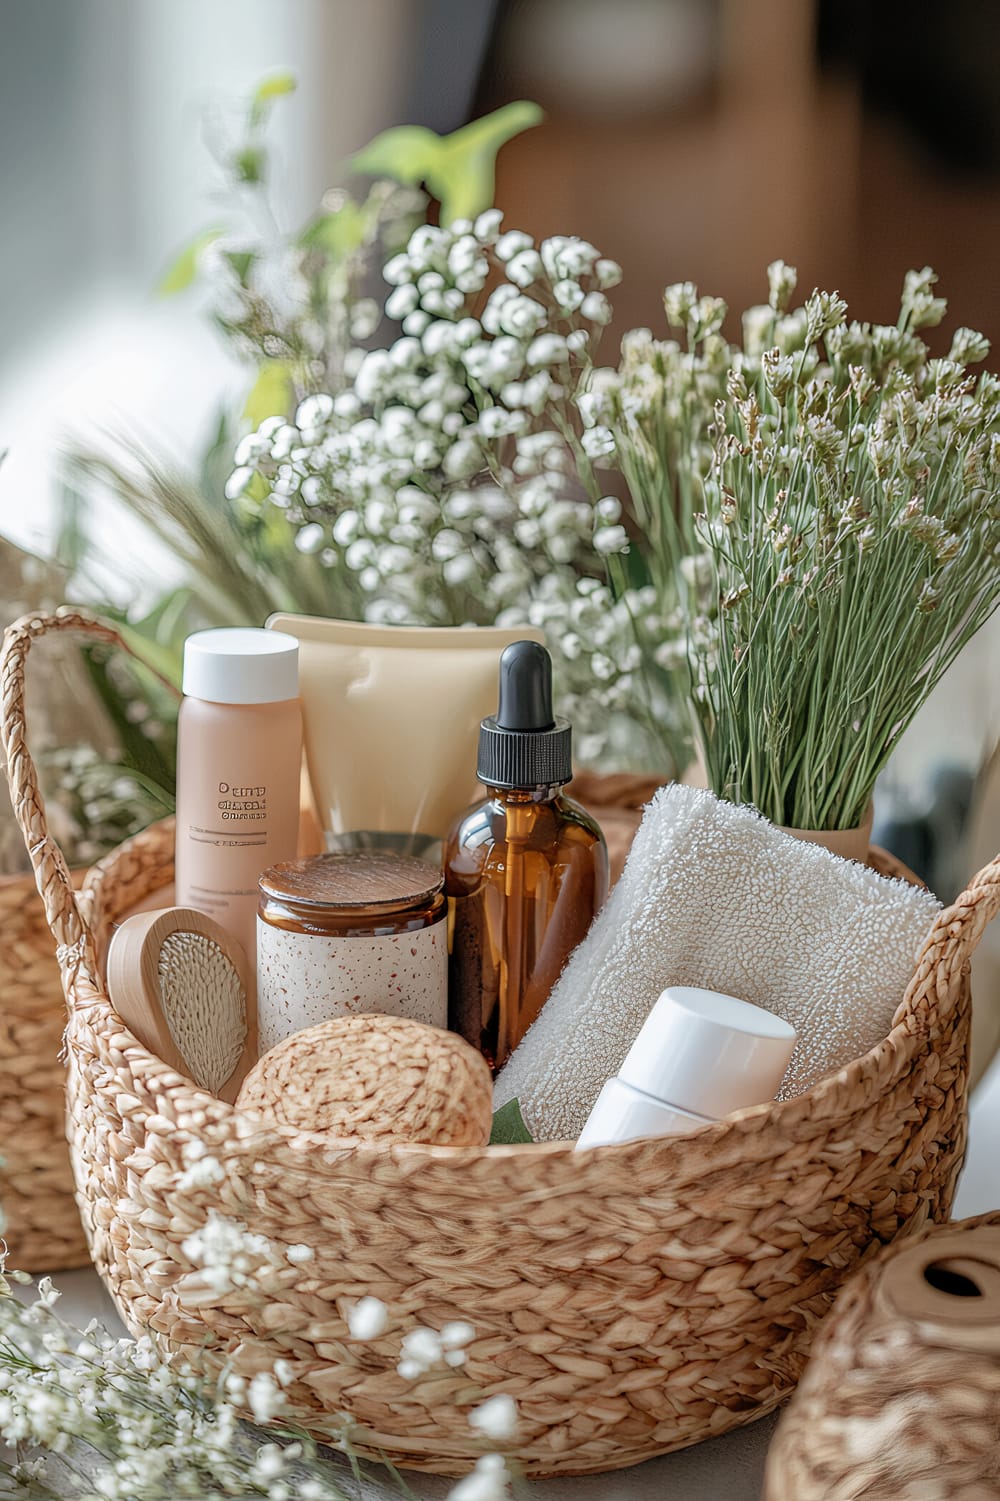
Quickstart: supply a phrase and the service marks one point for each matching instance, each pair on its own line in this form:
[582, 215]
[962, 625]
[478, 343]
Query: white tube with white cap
[699, 1056]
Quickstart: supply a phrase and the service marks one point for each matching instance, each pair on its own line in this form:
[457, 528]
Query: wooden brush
[180, 983]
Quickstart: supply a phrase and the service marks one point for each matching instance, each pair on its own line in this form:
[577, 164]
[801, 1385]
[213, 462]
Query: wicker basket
[902, 1395]
[632, 1301]
[40, 1221]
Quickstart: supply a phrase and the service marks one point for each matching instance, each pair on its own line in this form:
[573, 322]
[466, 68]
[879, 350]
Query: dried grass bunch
[852, 520]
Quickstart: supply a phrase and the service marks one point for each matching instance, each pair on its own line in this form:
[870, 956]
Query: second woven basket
[38, 1216]
[631, 1301]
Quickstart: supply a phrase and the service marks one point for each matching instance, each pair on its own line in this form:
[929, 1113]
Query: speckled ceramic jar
[342, 934]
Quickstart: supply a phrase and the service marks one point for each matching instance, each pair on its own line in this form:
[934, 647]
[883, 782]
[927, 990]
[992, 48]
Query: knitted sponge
[375, 1078]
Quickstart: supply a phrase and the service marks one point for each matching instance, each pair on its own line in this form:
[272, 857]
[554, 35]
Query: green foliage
[853, 525]
[458, 169]
[182, 271]
[250, 164]
[340, 233]
[273, 391]
[148, 742]
[240, 567]
[277, 86]
[508, 1126]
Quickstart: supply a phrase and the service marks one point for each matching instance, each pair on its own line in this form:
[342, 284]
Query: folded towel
[714, 895]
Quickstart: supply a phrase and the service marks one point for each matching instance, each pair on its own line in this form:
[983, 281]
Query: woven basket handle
[951, 942]
[74, 940]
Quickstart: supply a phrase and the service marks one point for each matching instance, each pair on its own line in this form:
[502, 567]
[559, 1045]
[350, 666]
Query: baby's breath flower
[265, 1397]
[460, 570]
[457, 1334]
[487, 226]
[569, 295]
[310, 538]
[512, 243]
[758, 329]
[496, 1418]
[968, 347]
[421, 1350]
[596, 307]
[598, 442]
[525, 267]
[679, 301]
[368, 1319]
[920, 308]
[791, 333]
[823, 311]
[488, 1481]
[398, 271]
[204, 1172]
[238, 481]
[781, 282]
[610, 539]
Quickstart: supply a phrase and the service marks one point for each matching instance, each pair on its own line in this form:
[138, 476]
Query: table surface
[723, 1469]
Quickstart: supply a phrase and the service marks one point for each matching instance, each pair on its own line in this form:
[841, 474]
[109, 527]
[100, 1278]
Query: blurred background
[688, 139]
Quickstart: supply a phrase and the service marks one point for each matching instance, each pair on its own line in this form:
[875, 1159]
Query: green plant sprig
[851, 512]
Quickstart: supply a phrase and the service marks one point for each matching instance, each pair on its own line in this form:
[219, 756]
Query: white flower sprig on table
[447, 485]
[108, 1420]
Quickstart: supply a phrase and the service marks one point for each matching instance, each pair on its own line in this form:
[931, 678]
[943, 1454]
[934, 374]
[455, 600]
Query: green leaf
[182, 272]
[339, 233]
[458, 169]
[249, 164]
[241, 261]
[271, 393]
[466, 180]
[508, 1126]
[405, 153]
[266, 92]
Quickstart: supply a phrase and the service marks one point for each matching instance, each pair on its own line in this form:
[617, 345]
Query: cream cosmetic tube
[699, 1056]
[391, 717]
[239, 755]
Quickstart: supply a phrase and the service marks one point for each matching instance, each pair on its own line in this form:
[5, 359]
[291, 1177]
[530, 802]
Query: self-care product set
[741, 1074]
[357, 963]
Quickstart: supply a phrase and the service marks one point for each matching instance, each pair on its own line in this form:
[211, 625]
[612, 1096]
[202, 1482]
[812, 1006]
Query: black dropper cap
[523, 745]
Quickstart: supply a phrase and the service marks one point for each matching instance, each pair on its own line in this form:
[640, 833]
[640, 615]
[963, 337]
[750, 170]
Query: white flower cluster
[853, 479]
[446, 486]
[225, 1254]
[148, 1428]
[126, 1424]
[423, 1348]
[489, 1481]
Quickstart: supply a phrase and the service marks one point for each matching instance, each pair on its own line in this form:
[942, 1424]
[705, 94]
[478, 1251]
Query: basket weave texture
[40, 1221]
[898, 1404]
[632, 1300]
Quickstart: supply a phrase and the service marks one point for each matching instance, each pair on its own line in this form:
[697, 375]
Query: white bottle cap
[241, 666]
[708, 1053]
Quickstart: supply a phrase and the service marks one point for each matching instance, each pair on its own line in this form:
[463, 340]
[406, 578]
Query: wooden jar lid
[363, 878]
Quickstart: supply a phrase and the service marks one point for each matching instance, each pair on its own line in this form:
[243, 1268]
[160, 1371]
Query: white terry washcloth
[714, 895]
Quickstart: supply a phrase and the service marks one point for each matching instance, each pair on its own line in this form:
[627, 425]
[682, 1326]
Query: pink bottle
[239, 756]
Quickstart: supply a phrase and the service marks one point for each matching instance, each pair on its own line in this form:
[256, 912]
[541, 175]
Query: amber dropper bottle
[525, 870]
